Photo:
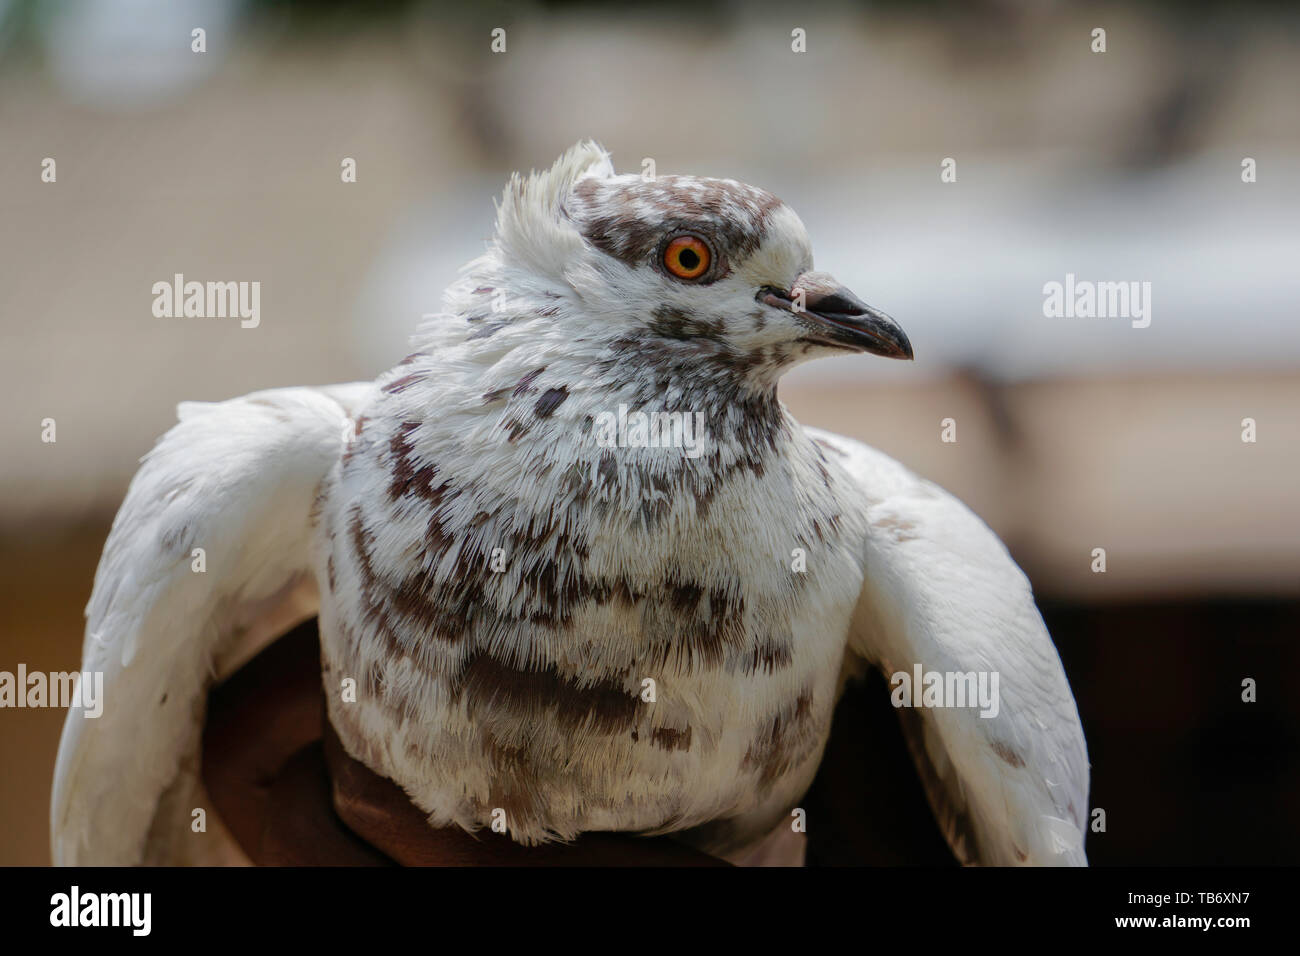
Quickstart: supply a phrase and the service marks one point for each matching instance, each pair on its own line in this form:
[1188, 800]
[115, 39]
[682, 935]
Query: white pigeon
[554, 615]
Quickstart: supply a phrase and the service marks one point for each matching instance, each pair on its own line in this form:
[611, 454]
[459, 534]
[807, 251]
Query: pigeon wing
[941, 591]
[237, 479]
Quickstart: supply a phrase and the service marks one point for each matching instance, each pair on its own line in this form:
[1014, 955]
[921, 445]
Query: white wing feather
[237, 479]
[941, 590]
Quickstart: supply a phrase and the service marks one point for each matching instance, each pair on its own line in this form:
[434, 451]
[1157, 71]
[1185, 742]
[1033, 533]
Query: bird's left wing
[1007, 777]
[208, 560]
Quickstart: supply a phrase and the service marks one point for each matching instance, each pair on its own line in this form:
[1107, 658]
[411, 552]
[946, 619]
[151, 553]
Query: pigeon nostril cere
[840, 302]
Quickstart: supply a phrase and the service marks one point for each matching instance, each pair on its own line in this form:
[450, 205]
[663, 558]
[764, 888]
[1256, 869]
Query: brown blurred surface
[46, 577]
[1151, 468]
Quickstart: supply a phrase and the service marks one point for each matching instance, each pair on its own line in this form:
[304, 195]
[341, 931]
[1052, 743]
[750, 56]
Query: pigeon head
[681, 265]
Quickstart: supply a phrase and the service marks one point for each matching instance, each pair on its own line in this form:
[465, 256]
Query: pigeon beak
[840, 316]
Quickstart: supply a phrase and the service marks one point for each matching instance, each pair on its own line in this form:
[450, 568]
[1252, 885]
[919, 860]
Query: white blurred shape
[131, 54]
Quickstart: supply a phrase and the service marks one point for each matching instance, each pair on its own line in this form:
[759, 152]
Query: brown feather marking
[666, 738]
[490, 686]
[899, 528]
[783, 743]
[551, 399]
[1008, 754]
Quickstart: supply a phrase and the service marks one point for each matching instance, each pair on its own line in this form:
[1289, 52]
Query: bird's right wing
[1007, 782]
[207, 561]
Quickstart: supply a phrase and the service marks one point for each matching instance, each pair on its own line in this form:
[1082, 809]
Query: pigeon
[575, 566]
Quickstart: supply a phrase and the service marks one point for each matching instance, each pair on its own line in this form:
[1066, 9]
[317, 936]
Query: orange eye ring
[687, 257]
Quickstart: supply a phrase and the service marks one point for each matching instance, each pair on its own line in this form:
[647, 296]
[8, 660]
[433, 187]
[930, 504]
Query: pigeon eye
[687, 257]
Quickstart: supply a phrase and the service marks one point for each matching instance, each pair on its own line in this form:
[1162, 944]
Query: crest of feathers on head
[531, 230]
[534, 246]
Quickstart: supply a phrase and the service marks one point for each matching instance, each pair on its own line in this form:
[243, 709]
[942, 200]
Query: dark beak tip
[842, 305]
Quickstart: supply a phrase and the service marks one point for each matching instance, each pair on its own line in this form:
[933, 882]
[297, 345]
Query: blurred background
[1071, 433]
